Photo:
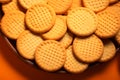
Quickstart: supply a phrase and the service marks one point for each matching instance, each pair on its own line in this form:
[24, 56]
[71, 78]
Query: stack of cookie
[69, 34]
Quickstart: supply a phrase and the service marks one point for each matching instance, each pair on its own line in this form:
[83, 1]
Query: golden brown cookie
[67, 39]
[13, 5]
[75, 4]
[109, 50]
[117, 4]
[27, 43]
[50, 55]
[5, 1]
[29, 3]
[57, 31]
[108, 24]
[40, 18]
[88, 49]
[12, 24]
[96, 5]
[60, 6]
[72, 65]
[82, 21]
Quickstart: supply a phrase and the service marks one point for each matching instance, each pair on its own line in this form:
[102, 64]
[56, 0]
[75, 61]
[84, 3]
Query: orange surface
[12, 68]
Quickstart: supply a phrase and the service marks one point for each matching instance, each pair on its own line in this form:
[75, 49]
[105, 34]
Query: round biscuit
[40, 18]
[96, 5]
[72, 65]
[50, 55]
[12, 24]
[88, 49]
[82, 21]
[27, 43]
[57, 31]
[26, 4]
[109, 50]
[66, 40]
[60, 6]
[13, 5]
[108, 24]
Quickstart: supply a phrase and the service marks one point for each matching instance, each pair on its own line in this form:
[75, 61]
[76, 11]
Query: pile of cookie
[69, 34]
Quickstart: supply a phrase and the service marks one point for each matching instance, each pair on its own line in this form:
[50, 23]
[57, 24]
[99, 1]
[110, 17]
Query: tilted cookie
[96, 5]
[75, 4]
[67, 39]
[72, 65]
[12, 24]
[40, 18]
[109, 50]
[5, 1]
[60, 6]
[50, 55]
[88, 49]
[27, 43]
[82, 21]
[13, 5]
[29, 3]
[108, 24]
[57, 31]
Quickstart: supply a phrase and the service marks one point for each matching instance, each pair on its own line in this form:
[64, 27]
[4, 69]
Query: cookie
[117, 37]
[75, 4]
[109, 50]
[5, 1]
[88, 49]
[108, 24]
[60, 6]
[29, 3]
[27, 43]
[96, 5]
[57, 31]
[82, 21]
[13, 5]
[72, 65]
[50, 55]
[40, 18]
[12, 24]
[67, 39]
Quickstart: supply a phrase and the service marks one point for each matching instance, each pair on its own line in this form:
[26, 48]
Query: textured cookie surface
[82, 21]
[88, 49]
[60, 6]
[29, 3]
[13, 5]
[50, 55]
[109, 51]
[57, 31]
[108, 24]
[96, 5]
[67, 39]
[72, 64]
[12, 24]
[27, 43]
[40, 18]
